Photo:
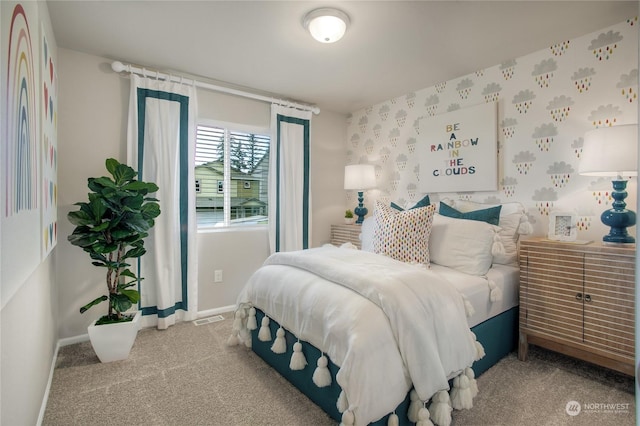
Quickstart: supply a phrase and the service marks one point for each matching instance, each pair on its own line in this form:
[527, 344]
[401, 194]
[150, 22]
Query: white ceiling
[391, 48]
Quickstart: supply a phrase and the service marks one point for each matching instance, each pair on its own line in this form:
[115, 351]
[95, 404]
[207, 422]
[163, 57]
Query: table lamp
[613, 151]
[360, 177]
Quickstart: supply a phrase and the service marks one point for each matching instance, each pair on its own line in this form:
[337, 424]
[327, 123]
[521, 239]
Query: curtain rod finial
[117, 66]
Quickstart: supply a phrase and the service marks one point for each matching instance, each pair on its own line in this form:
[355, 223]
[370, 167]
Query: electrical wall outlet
[217, 276]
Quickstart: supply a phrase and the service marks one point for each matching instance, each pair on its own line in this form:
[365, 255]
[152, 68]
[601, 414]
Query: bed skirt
[498, 335]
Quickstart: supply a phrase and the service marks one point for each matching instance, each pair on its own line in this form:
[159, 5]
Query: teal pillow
[490, 215]
[422, 203]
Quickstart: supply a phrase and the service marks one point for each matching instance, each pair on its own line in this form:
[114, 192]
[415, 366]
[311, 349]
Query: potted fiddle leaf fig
[111, 227]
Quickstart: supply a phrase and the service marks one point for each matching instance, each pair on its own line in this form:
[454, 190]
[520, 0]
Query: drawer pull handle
[578, 296]
[587, 298]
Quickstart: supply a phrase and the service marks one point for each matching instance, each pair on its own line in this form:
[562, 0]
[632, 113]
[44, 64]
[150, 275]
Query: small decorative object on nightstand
[579, 300]
[563, 226]
[348, 217]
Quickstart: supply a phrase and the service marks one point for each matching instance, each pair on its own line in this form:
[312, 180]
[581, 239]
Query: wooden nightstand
[341, 234]
[578, 300]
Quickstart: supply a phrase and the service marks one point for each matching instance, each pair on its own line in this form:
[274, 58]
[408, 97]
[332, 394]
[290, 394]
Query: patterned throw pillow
[403, 235]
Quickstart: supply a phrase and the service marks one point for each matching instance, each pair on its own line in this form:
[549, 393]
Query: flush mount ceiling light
[326, 25]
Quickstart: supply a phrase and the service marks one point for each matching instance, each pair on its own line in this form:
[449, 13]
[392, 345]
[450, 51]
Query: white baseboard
[216, 311]
[71, 340]
[45, 397]
[201, 314]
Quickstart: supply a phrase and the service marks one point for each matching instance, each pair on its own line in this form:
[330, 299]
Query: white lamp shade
[359, 177]
[610, 151]
[326, 25]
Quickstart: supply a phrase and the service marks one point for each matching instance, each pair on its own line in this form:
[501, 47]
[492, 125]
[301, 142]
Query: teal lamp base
[619, 218]
[360, 211]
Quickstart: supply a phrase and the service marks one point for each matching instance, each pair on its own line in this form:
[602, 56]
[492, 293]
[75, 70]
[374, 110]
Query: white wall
[28, 320]
[28, 344]
[93, 109]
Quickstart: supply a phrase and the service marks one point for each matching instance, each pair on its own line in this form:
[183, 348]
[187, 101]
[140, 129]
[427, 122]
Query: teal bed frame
[498, 335]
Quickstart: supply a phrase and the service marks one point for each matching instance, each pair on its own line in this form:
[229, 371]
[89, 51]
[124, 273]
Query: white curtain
[289, 188]
[161, 147]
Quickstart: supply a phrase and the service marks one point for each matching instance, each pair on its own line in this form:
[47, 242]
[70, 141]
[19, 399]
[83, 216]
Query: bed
[394, 333]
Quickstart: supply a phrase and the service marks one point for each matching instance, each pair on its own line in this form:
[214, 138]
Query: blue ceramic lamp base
[619, 218]
[360, 211]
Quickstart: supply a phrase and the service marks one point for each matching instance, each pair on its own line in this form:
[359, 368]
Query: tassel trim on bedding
[240, 333]
[342, 404]
[461, 393]
[525, 227]
[264, 335]
[469, 310]
[322, 375]
[479, 348]
[251, 321]
[424, 417]
[473, 384]
[497, 248]
[440, 408]
[348, 419]
[414, 406]
[442, 404]
[393, 420]
[298, 360]
[280, 344]
[238, 318]
[233, 339]
[464, 389]
[495, 292]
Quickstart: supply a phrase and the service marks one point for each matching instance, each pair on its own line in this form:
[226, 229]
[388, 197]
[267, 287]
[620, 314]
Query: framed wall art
[458, 151]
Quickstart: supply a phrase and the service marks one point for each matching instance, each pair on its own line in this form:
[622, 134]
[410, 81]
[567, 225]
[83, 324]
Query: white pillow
[511, 215]
[509, 236]
[469, 206]
[462, 244]
[366, 233]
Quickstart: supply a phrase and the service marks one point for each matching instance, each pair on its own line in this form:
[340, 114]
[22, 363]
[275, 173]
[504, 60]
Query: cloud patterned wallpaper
[546, 102]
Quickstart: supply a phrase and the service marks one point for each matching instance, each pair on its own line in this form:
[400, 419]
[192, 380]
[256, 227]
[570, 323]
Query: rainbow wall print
[49, 146]
[26, 146]
[21, 150]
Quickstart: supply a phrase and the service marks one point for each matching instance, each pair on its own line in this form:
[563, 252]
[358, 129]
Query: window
[231, 172]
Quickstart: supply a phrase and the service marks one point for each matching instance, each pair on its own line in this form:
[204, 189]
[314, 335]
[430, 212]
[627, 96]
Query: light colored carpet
[187, 376]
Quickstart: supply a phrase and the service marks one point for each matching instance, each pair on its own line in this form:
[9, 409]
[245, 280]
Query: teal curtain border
[305, 201]
[143, 94]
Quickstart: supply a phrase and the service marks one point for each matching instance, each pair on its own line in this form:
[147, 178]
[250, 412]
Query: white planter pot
[113, 342]
[349, 221]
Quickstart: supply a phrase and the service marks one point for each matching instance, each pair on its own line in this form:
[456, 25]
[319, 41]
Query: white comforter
[385, 323]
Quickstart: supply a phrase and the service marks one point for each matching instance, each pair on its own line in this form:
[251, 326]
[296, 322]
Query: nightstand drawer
[341, 234]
